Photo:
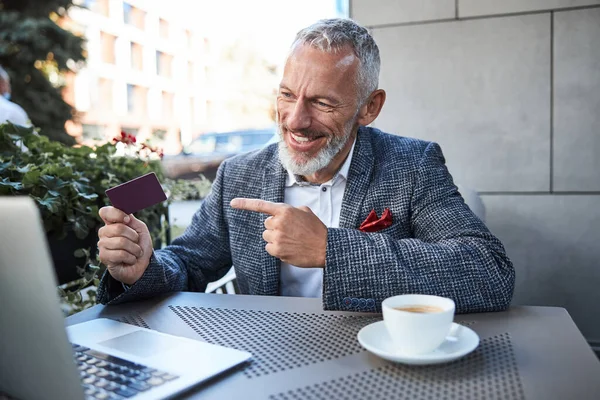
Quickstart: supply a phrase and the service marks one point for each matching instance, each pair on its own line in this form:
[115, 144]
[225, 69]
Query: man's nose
[299, 117]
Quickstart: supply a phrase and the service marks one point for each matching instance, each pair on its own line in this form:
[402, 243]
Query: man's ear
[372, 107]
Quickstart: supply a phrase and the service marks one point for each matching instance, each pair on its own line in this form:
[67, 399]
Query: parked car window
[205, 153]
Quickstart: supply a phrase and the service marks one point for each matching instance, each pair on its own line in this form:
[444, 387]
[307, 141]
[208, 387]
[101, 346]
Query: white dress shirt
[325, 200]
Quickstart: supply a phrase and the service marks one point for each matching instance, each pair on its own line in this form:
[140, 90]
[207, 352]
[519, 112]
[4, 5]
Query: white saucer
[376, 339]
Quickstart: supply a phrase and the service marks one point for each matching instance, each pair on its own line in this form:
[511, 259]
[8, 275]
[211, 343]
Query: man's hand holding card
[125, 244]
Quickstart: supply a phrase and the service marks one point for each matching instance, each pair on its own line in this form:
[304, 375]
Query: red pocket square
[374, 224]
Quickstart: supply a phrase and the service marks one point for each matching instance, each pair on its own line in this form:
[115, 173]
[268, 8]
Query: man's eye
[321, 104]
[286, 95]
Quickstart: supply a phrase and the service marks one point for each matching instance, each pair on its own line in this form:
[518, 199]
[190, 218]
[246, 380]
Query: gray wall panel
[577, 100]
[480, 88]
[381, 12]
[470, 8]
[553, 242]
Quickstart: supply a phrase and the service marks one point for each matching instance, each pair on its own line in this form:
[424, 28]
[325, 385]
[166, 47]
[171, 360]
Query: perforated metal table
[302, 352]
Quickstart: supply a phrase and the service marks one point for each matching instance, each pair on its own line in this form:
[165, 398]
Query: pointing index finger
[258, 205]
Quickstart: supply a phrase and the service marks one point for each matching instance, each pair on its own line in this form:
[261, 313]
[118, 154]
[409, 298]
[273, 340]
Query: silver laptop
[100, 359]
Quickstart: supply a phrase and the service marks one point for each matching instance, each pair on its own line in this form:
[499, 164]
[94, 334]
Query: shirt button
[324, 189]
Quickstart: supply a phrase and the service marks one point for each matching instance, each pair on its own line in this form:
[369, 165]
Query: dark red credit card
[137, 194]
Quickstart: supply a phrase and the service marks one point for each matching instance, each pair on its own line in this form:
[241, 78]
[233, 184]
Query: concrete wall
[511, 91]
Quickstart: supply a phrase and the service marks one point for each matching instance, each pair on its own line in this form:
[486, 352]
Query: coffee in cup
[416, 323]
[420, 309]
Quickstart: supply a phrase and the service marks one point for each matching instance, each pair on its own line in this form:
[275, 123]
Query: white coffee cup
[417, 323]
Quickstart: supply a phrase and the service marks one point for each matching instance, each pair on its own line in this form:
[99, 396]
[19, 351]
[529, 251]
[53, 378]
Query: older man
[336, 210]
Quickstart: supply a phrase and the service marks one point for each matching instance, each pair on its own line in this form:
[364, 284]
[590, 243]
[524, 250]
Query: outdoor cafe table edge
[554, 360]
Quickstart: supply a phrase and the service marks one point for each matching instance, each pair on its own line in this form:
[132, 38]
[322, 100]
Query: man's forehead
[316, 61]
[323, 74]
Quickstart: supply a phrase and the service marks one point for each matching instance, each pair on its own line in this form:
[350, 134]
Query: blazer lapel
[272, 190]
[359, 178]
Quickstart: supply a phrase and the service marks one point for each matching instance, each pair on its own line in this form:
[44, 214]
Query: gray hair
[332, 35]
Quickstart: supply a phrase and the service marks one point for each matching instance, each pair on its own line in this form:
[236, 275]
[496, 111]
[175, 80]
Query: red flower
[131, 140]
[125, 138]
[374, 224]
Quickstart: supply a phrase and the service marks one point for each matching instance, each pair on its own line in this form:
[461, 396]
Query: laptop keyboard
[110, 378]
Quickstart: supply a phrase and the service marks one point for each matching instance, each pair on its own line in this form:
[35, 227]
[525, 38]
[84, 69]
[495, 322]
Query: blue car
[205, 153]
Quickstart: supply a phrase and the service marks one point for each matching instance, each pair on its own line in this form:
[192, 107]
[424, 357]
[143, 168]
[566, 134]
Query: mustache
[308, 133]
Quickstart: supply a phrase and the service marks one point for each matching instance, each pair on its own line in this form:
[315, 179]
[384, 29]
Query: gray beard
[320, 161]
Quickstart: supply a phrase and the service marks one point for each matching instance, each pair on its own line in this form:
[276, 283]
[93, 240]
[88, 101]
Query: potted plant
[68, 185]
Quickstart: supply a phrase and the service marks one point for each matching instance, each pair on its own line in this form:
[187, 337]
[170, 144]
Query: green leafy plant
[68, 185]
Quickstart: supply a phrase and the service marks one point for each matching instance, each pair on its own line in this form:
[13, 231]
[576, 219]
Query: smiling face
[317, 110]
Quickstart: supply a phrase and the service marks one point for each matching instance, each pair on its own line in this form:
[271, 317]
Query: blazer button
[362, 303]
[371, 304]
[347, 301]
[354, 303]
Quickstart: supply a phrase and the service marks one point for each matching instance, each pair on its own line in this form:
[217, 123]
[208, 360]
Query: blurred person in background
[9, 111]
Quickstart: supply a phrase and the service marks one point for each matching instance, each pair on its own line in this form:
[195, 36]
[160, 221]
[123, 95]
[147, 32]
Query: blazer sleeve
[452, 253]
[199, 256]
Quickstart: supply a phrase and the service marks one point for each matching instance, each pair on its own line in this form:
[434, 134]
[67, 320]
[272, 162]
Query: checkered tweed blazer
[435, 244]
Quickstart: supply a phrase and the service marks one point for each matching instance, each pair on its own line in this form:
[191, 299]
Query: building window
[141, 96]
[163, 28]
[167, 105]
[137, 56]
[130, 130]
[207, 73]
[107, 43]
[158, 137]
[127, 16]
[105, 91]
[93, 132]
[97, 6]
[163, 64]
[137, 100]
[130, 98]
[210, 111]
[133, 16]
[192, 110]
[191, 72]
[189, 38]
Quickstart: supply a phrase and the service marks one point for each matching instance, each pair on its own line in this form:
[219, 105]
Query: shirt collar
[290, 180]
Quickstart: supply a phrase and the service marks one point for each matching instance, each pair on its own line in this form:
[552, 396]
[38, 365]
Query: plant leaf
[89, 196]
[81, 185]
[79, 253]
[52, 182]
[51, 203]
[31, 178]
[80, 227]
[24, 169]
[5, 166]
[12, 129]
[13, 185]
[60, 171]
